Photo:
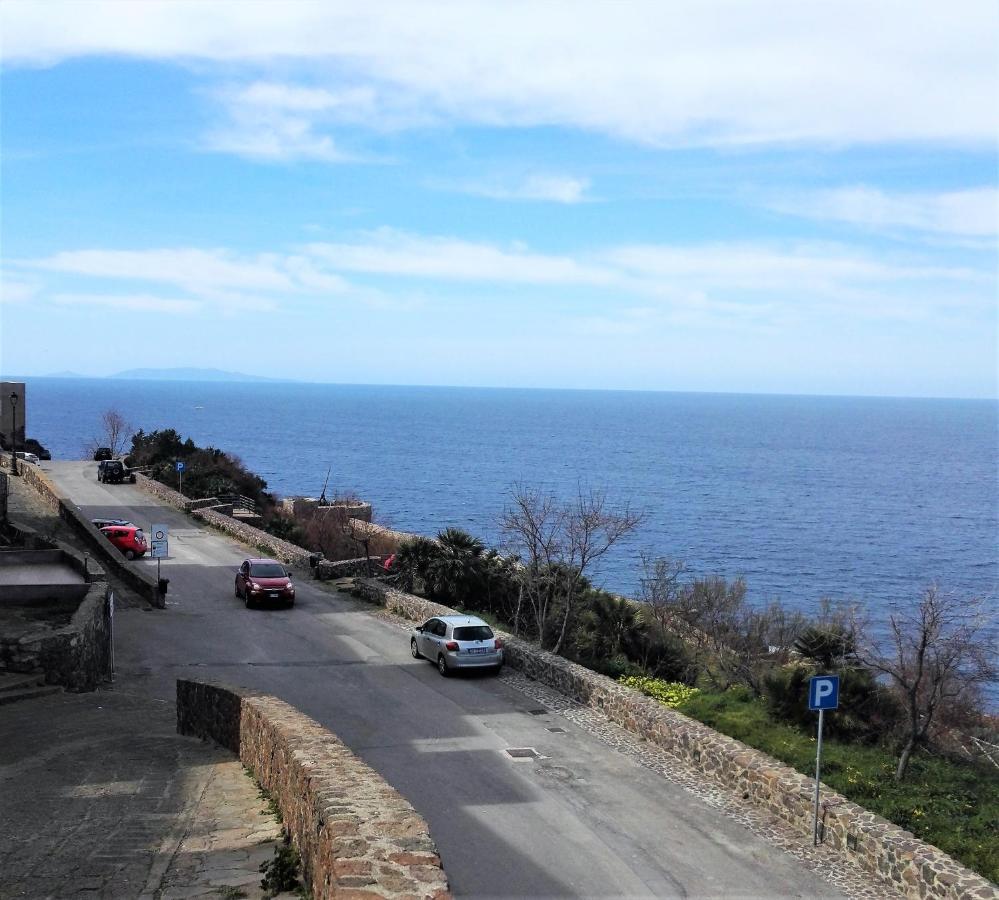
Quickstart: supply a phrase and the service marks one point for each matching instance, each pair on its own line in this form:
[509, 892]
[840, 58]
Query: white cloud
[131, 302]
[970, 213]
[395, 253]
[694, 73]
[193, 269]
[552, 188]
[12, 291]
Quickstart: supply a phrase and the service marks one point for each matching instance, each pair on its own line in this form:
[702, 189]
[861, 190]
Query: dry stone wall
[886, 851]
[356, 835]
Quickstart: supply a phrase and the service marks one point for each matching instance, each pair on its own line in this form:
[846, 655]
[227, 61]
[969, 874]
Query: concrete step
[15, 695]
[15, 681]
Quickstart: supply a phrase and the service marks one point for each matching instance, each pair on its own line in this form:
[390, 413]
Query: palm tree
[456, 570]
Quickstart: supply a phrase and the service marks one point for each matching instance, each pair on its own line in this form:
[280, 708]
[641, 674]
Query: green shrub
[670, 693]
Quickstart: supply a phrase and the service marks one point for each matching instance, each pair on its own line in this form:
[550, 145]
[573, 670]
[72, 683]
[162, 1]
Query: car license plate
[274, 595]
[479, 650]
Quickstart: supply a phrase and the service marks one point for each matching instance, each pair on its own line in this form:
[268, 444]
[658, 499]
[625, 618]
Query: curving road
[581, 820]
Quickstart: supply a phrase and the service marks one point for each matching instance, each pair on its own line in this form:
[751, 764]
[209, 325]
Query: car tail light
[451, 645]
[499, 643]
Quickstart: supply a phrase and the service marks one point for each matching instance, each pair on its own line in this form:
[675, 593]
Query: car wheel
[236, 589]
[290, 604]
[247, 600]
[497, 669]
[129, 554]
[442, 666]
[412, 649]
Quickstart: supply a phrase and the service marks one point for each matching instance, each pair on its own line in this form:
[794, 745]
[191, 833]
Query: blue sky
[766, 197]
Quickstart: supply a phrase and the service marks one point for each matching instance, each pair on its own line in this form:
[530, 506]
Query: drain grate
[538, 712]
[557, 730]
[522, 752]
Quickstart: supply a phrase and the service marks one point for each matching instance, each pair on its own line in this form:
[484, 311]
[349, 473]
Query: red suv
[127, 538]
[264, 579]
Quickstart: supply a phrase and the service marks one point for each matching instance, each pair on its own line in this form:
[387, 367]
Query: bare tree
[937, 655]
[115, 432]
[662, 589]
[560, 544]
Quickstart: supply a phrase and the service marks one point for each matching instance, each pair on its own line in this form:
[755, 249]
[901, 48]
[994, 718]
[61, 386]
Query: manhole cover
[557, 730]
[538, 712]
[522, 752]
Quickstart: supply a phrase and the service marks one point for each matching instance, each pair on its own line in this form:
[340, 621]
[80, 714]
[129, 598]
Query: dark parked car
[102, 453]
[264, 579]
[104, 523]
[113, 471]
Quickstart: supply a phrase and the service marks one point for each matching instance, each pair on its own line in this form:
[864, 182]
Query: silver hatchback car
[457, 642]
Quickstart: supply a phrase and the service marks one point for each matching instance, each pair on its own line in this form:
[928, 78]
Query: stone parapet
[917, 869]
[77, 656]
[286, 552]
[356, 835]
[327, 570]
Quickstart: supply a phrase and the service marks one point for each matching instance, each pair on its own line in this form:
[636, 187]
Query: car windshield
[473, 633]
[267, 570]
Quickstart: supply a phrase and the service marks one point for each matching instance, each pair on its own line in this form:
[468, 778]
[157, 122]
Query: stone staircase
[15, 686]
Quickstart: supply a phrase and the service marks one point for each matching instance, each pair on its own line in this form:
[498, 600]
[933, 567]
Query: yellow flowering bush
[669, 693]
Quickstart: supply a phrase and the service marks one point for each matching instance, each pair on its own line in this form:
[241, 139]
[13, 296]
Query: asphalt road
[583, 820]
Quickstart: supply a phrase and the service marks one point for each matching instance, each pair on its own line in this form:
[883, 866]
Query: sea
[856, 499]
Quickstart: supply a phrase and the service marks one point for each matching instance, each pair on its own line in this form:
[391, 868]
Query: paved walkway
[101, 798]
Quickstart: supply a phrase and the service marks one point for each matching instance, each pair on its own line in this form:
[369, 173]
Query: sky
[776, 197]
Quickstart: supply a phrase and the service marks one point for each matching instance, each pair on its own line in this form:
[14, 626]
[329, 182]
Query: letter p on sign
[823, 692]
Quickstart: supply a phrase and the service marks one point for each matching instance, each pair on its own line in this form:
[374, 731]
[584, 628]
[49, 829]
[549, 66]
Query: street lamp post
[13, 432]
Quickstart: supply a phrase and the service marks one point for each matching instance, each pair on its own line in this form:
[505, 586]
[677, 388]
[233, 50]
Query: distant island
[192, 375]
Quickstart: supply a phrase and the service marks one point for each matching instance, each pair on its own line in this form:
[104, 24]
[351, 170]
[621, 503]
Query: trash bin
[163, 584]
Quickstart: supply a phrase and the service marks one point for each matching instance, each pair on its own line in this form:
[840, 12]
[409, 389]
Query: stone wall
[140, 581]
[77, 656]
[288, 553]
[356, 835]
[327, 569]
[887, 852]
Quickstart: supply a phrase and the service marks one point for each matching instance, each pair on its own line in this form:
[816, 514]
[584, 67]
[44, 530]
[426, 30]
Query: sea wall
[356, 835]
[919, 870]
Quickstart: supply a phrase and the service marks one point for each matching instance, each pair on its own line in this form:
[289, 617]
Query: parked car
[114, 471]
[127, 538]
[104, 523]
[264, 579]
[27, 457]
[457, 642]
[103, 453]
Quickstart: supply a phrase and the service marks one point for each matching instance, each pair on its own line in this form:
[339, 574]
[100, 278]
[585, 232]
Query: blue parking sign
[180, 465]
[823, 692]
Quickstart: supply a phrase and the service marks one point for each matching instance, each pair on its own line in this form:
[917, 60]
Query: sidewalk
[101, 798]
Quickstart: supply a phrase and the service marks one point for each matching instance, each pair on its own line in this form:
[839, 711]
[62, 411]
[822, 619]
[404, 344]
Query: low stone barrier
[917, 869]
[144, 584]
[288, 553]
[77, 656]
[327, 570]
[356, 835]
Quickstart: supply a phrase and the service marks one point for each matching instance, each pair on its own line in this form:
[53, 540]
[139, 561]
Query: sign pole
[111, 630]
[818, 770]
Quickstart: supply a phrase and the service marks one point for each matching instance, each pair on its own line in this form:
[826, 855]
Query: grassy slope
[951, 805]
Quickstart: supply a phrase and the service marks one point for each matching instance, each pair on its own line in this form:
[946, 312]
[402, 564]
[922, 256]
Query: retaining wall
[327, 570]
[76, 656]
[356, 835]
[140, 581]
[886, 851]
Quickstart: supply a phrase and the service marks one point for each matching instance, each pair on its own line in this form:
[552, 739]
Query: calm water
[806, 497]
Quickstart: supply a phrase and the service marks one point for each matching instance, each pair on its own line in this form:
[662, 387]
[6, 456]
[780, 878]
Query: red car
[264, 579]
[127, 538]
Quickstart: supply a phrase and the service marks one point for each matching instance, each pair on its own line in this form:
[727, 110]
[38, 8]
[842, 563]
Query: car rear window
[473, 633]
[267, 570]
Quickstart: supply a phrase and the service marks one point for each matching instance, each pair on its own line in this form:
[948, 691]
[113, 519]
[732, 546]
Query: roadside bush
[670, 693]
